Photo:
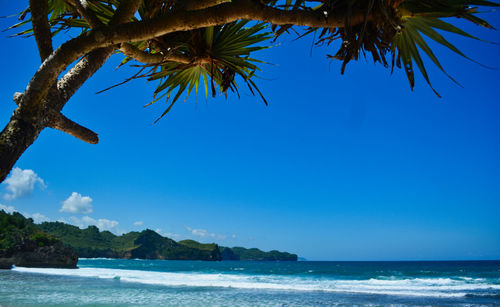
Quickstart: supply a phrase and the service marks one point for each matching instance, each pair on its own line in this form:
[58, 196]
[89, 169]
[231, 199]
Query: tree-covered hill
[147, 244]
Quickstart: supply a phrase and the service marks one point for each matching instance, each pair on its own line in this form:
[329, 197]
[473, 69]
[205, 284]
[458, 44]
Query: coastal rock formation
[54, 256]
[23, 244]
[255, 254]
[228, 254]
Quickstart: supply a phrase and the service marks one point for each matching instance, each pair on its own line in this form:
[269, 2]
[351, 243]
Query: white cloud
[168, 234]
[172, 235]
[78, 204]
[38, 218]
[8, 209]
[21, 183]
[203, 233]
[105, 224]
[138, 223]
[102, 224]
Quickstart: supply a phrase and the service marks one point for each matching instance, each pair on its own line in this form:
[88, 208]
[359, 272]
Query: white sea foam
[99, 258]
[426, 287]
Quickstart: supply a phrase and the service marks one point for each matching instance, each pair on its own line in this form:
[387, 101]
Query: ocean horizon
[120, 282]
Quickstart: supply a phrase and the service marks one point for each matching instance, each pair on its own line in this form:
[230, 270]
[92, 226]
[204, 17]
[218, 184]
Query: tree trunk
[16, 137]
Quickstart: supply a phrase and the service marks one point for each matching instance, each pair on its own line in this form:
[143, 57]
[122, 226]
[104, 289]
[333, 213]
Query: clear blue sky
[353, 167]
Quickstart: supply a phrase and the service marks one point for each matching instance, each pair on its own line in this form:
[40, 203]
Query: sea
[118, 282]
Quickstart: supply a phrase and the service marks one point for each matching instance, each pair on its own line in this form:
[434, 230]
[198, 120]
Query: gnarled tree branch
[192, 5]
[60, 122]
[27, 121]
[54, 119]
[41, 27]
[172, 22]
[157, 58]
[83, 9]
[20, 131]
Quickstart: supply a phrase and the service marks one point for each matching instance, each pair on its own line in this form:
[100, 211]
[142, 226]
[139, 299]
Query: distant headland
[56, 244]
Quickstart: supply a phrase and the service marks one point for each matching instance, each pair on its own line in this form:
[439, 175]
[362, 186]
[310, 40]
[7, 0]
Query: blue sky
[353, 167]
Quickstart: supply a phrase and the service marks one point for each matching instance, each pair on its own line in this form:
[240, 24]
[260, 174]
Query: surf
[419, 287]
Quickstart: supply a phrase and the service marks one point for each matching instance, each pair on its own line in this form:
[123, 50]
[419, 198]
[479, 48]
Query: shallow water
[239, 283]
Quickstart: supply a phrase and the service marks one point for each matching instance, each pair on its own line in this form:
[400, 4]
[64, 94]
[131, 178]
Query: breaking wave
[422, 287]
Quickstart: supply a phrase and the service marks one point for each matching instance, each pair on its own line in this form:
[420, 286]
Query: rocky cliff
[23, 244]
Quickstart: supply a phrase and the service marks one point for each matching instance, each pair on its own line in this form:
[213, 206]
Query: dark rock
[54, 256]
[228, 254]
[23, 244]
[5, 264]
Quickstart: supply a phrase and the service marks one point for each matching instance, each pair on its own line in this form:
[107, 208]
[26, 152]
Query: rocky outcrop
[22, 244]
[255, 254]
[228, 254]
[54, 256]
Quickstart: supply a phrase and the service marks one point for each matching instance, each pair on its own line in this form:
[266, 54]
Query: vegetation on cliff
[147, 244]
[255, 254]
[22, 243]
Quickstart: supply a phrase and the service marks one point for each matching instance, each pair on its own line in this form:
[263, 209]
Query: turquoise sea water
[106, 282]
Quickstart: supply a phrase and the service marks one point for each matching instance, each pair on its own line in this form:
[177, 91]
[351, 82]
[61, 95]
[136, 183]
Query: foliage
[92, 243]
[18, 232]
[423, 17]
[147, 244]
[198, 245]
[393, 31]
[255, 254]
[218, 54]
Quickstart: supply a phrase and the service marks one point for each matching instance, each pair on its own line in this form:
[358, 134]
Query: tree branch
[83, 9]
[66, 125]
[41, 27]
[54, 119]
[33, 115]
[192, 5]
[157, 58]
[125, 11]
[177, 21]
[94, 60]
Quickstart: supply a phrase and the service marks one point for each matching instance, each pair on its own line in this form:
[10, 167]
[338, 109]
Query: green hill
[147, 244]
[92, 243]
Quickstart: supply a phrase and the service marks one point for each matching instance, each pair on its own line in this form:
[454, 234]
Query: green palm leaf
[62, 16]
[225, 51]
[424, 17]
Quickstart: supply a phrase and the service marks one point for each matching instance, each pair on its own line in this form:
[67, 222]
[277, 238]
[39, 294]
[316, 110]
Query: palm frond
[62, 16]
[401, 29]
[424, 18]
[219, 55]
